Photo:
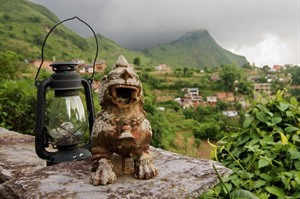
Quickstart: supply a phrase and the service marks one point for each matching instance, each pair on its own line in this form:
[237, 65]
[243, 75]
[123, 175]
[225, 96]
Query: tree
[229, 74]
[137, 61]
[187, 72]
[266, 68]
[295, 76]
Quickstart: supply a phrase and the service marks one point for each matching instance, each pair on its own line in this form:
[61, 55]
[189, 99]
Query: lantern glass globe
[68, 121]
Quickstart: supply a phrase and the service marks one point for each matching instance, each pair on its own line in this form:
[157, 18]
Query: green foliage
[207, 130]
[18, 105]
[229, 74]
[295, 92]
[150, 79]
[295, 75]
[11, 66]
[160, 127]
[137, 61]
[211, 122]
[265, 154]
[245, 88]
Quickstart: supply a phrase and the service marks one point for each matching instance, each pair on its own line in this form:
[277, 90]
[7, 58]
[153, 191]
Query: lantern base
[68, 155]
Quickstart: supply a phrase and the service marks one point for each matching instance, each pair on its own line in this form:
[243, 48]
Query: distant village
[191, 97]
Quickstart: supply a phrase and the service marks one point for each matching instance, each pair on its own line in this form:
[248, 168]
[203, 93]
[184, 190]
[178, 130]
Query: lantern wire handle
[69, 19]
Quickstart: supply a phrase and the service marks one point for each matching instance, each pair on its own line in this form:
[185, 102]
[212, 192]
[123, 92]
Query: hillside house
[46, 64]
[263, 88]
[162, 67]
[80, 62]
[212, 100]
[100, 67]
[253, 79]
[227, 97]
[191, 98]
[184, 102]
[214, 77]
[193, 95]
[277, 68]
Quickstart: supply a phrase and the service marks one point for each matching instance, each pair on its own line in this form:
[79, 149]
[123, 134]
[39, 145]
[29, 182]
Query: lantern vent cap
[63, 66]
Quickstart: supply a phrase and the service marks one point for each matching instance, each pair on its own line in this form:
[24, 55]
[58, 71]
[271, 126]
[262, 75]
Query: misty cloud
[238, 25]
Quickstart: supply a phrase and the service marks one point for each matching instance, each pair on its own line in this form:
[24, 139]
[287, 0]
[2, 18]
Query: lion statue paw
[104, 174]
[144, 167]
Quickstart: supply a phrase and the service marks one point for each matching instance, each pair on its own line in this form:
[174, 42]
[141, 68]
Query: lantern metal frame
[64, 79]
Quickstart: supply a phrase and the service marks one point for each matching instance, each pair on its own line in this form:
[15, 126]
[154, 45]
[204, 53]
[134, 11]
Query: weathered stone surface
[24, 175]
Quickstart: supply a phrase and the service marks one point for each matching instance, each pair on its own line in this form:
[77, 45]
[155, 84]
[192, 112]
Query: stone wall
[24, 175]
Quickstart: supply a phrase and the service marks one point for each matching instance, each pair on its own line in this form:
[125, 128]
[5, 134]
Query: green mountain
[194, 49]
[24, 26]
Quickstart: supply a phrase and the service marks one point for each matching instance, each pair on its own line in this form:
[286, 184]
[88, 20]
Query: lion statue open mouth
[124, 95]
[121, 126]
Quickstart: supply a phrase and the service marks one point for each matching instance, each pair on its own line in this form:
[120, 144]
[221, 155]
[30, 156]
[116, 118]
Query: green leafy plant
[265, 154]
[18, 105]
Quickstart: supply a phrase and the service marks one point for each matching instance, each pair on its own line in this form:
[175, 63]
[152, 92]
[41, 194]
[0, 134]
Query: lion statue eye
[112, 77]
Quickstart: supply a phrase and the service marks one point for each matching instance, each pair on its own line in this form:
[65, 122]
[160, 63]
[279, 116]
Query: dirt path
[204, 149]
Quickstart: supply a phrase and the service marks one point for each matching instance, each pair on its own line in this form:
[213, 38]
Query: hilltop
[24, 26]
[196, 49]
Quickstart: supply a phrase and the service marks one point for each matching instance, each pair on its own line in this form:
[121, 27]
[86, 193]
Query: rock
[24, 175]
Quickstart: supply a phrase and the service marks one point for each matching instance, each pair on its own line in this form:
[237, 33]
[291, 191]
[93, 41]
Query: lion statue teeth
[121, 126]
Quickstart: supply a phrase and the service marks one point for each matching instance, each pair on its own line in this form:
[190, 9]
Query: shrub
[265, 154]
[18, 105]
[207, 130]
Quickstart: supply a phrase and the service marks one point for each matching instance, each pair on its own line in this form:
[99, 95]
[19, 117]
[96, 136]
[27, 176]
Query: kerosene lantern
[63, 129]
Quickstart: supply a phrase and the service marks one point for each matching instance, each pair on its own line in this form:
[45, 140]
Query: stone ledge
[24, 175]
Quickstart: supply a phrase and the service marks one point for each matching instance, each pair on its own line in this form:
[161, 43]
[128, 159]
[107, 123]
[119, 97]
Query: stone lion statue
[121, 127]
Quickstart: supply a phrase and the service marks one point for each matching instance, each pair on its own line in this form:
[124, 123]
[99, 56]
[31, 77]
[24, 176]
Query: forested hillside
[24, 26]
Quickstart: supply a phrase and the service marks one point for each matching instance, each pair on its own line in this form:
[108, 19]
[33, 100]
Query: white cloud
[270, 51]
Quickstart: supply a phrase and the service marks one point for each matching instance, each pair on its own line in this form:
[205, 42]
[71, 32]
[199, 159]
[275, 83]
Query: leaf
[297, 164]
[261, 116]
[264, 109]
[289, 114]
[291, 129]
[227, 187]
[296, 195]
[275, 191]
[284, 140]
[259, 183]
[266, 177]
[213, 154]
[242, 194]
[211, 144]
[276, 120]
[295, 154]
[296, 138]
[263, 163]
[282, 106]
[247, 122]
[294, 101]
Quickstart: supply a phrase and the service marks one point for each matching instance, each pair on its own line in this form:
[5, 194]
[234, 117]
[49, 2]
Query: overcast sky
[265, 31]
